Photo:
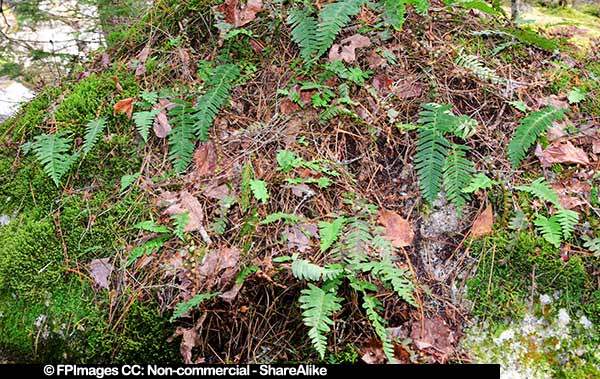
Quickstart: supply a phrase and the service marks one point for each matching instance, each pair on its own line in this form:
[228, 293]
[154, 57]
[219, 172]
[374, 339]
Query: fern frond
[542, 190]
[458, 171]
[429, 161]
[332, 18]
[330, 232]
[214, 99]
[386, 271]
[373, 307]
[421, 6]
[473, 64]
[394, 13]
[181, 137]
[334, 112]
[304, 31]
[549, 228]
[93, 130]
[567, 220]
[52, 151]
[143, 121]
[319, 307]
[305, 270]
[181, 309]
[592, 244]
[529, 130]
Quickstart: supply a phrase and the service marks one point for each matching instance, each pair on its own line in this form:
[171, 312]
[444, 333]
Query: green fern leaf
[592, 244]
[181, 137]
[181, 221]
[567, 220]
[332, 18]
[304, 31]
[184, 308]
[549, 228]
[318, 309]
[386, 271]
[214, 99]
[260, 191]
[143, 122]
[421, 6]
[529, 130]
[429, 161]
[542, 190]
[93, 130]
[52, 151]
[373, 307]
[480, 182]
[458, 171]
[473, 64]
[330, 232]
[394, 13]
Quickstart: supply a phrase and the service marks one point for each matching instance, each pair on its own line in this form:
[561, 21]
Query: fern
[181, 137]
[386, 271]
[529, 130]
[549, 228]
[472, 63]
[184, 308]
[180, 221]
[429, 161]
[458, 171]
[319, 307]
[52, 151]
[143, 121]
[93, 130]
[592, 244]
[214, 99]
[394, 13]
[147, 248]
[542, 190]
[373, 306]
[304, 31]
[330, 231]
[480, 182]
[305, 270]
[421, 6]
[332, 18]
[567, 220]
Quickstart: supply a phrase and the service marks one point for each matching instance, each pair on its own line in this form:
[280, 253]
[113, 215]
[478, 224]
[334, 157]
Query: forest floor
[248, 183]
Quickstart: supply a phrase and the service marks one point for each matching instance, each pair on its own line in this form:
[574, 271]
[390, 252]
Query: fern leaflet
[529, 130]
[51, 150]
[332, 18]
[542, 190]
[319, 307]
[458, 171]
[330, 231]
[214, 99]
[592, 244]
[143, 122]
[567, 220]
[549, 228]
[373, 306]
[93, 130]
[472, 63]
[429, 161]
[181, 137]
[182, 309]
[304, 31]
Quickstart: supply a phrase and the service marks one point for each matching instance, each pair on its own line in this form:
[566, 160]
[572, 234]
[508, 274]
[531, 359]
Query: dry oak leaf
[434, 335]
[397, 230]
[239, 17]
[346, 49]
[124, 106]
[561, 152]
[482, 225]
[205, 158]
[161, 127]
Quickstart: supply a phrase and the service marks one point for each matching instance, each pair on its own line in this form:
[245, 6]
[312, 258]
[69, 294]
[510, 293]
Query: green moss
[500, 289]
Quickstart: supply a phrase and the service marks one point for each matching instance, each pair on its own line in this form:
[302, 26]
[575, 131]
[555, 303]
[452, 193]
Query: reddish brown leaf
[382, 83]
[248, 12]
[559, 102]
[346, 49]
[217, 192]
[143, 54]
[435, 337]
[561, 152]
[189, 340]
[375, 60]
[161, 125]
[205, 158]
[397, 230]
[298, 236]
[117, 84]
[482, 225]
[124, 106]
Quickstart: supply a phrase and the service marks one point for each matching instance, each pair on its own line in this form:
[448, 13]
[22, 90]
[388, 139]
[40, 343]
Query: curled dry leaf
[561, 152]
[482, 226]
[346, 49]
[124, 106]
[100, 270]
[397, 230]
[117, 84]
[161, 126]
[205, 159]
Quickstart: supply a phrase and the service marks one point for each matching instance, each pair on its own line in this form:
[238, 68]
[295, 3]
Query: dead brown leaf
[124, 106]
[561, 152]
[346, 49]
[299, 235]
[482, 226]
[236, 16]
[435, 337]
[382, 83]
[100, 269]
[186, 202]
[397, 230]
[205, 158]
[217, 192]
[117, 84]
[558, 102]
[161, 126]
[189, 340]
